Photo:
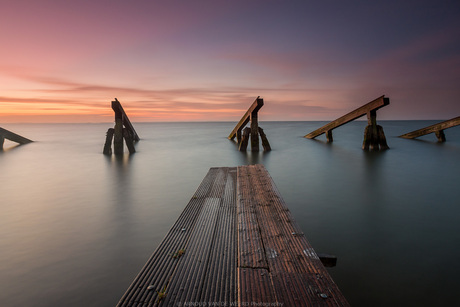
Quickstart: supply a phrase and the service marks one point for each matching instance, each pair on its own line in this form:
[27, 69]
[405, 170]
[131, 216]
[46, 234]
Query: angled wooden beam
[256, 105]
[120, 114]
[361, 111]
[438, 129]
[6, 134]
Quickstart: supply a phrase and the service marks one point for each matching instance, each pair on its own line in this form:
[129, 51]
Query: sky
[65, 61]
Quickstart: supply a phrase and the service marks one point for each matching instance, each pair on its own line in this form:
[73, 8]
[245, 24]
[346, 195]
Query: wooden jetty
[123, 130]
[6, 134]
[235, 244]
[374, 137]
[254, 131]
[437, 129]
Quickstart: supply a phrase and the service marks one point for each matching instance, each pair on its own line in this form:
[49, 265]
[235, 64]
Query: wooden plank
[241, 247]
[433, 128]
[256, 105]
[206, 232]
[361, 111]
[296, 272]
[120, 113]
[158, 270]
[14, 137]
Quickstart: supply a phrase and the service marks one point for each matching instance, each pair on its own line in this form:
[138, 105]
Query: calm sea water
[77, 226]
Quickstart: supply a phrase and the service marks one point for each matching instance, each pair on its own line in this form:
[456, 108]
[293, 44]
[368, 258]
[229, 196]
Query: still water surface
[77, 226]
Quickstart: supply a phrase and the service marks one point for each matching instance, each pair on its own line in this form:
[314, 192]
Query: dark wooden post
[108, 142]
[118, 137]
[254, 132]
[329, 136]
[245, 139]
[129, 140]
[2, 140]
[440, 135]
[265, 143]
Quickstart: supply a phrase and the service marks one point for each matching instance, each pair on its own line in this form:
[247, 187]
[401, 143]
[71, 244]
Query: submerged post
[374, 137]
[251, 115]
[123, 130]
[437, 129]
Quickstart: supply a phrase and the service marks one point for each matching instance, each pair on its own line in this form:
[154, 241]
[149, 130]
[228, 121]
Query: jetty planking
[235, 244]
[6, 134]
[374, 136]
[437, 129]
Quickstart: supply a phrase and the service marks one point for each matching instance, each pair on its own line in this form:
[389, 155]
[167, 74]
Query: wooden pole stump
[329, 136]
[108, 142]
[129, 141]
[2, 141]
[118, 137]
[374, 137]
[265, 143]
[245, 139]
[441, 136]
[254, 132]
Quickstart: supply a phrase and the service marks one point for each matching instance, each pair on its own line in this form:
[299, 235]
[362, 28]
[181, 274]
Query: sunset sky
[65, 61]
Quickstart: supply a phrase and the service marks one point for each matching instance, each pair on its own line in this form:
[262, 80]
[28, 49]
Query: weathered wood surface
[254, 108]
[361, 111]
[438, 129]
[241, 246]
[205, 230]
[120, 113]
[274, 255]
[13, 137]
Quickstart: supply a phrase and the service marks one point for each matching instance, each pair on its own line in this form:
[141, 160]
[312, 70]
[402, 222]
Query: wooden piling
[245, 139]
[129, 140]
[265, 143]
[251, 115]
[371, 132]
[123, 130]
[118, 137]
[254, 132]
[108, 142]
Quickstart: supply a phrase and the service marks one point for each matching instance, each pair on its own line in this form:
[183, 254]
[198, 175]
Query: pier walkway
[235, 244]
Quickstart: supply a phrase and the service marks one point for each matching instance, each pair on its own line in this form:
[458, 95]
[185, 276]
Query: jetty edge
[235, 244]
